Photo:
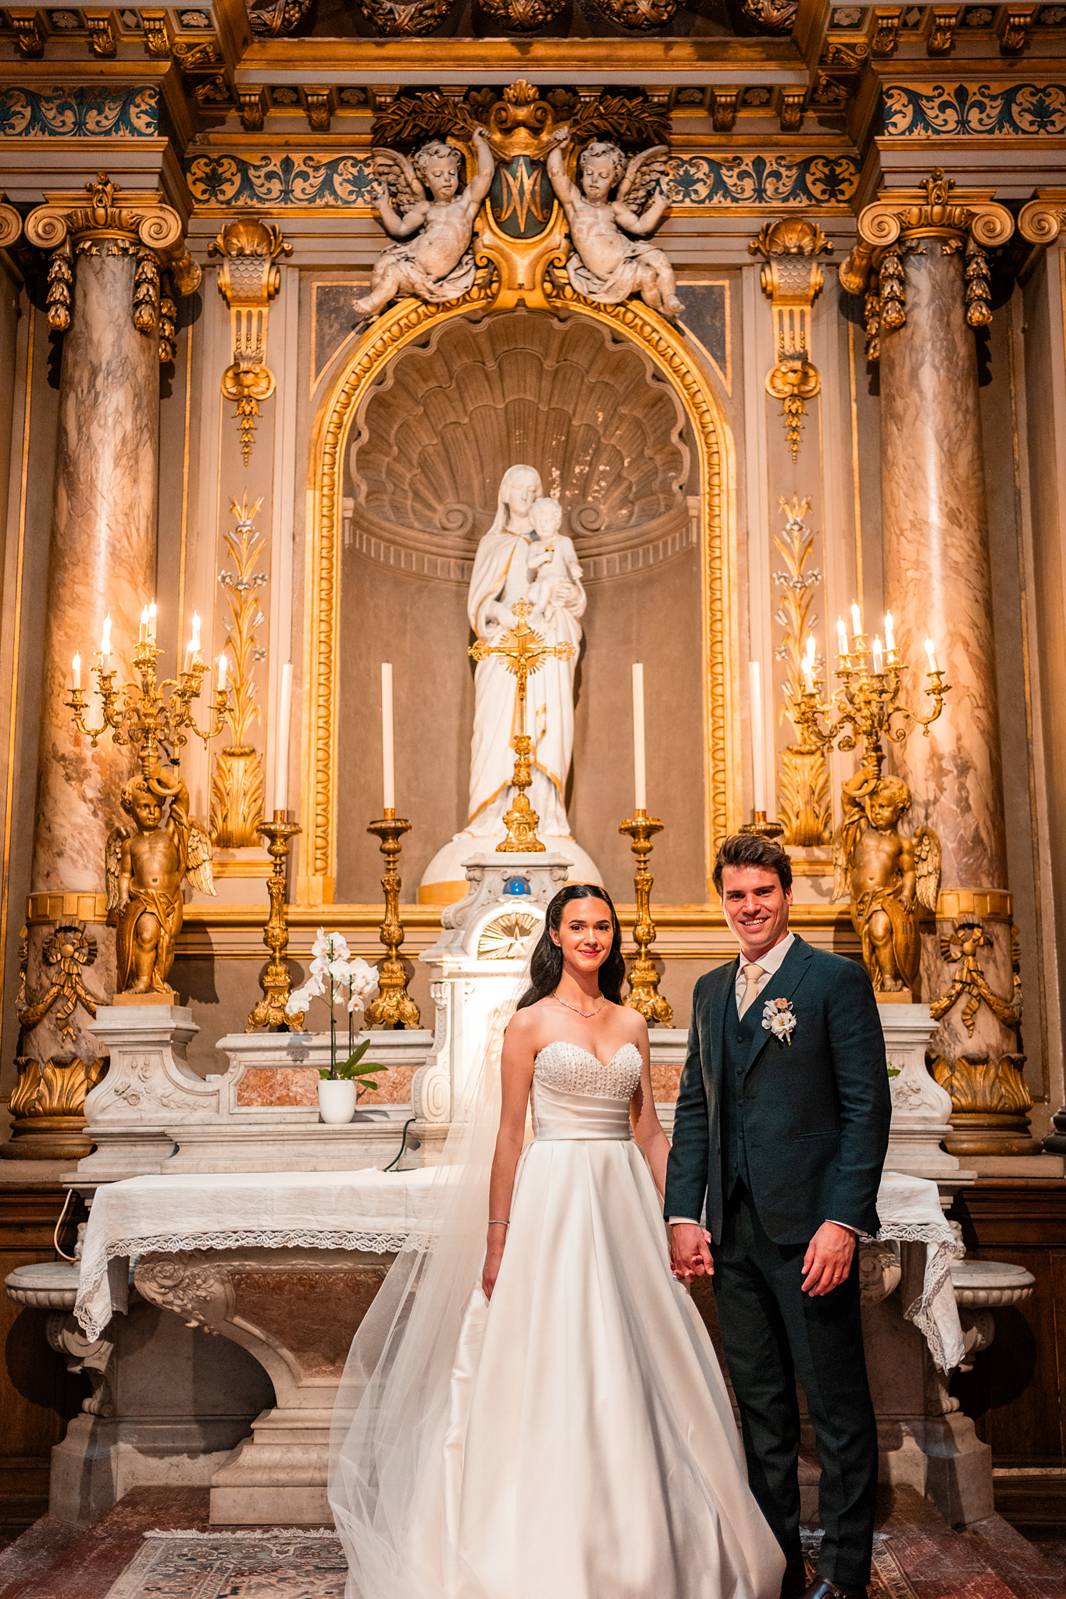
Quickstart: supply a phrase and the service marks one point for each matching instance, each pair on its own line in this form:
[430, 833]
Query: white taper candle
[388, 750]
[758, 736]
[75, 672]
[281, 749]
[640, 768]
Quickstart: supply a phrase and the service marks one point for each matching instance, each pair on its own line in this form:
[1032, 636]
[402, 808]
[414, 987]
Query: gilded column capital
[1043, 220]
[10, 225]
[103, 220]
[905, 221]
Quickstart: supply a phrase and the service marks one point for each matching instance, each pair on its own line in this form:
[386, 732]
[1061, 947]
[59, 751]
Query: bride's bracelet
[498, 1223]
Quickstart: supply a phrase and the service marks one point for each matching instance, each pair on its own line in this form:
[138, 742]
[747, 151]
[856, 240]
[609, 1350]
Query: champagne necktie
[753, 976]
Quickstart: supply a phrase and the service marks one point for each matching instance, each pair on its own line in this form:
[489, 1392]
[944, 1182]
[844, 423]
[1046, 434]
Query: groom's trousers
[774, 1334]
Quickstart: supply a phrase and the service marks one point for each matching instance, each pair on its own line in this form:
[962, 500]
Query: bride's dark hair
[546, 967]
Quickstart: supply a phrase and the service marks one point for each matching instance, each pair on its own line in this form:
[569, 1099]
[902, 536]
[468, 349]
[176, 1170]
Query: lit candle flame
[842, 638]
[890, 633]
[222, 669]
[856, 620]
[930, 654]
[105, 638]
[75, 670]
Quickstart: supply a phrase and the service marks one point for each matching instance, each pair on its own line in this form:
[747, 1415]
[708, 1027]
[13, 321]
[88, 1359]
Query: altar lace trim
[93, 1317]
[922, 1311]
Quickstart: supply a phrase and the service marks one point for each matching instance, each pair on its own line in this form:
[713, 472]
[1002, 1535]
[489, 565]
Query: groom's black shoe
[822, 1588]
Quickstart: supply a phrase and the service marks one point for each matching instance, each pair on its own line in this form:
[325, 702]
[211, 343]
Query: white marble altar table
[375, 1211]
[366, 1210]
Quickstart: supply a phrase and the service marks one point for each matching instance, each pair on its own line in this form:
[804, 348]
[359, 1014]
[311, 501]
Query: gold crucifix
[525, 652]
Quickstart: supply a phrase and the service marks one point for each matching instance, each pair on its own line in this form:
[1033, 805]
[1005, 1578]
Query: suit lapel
[782, 985]
[717, 1008]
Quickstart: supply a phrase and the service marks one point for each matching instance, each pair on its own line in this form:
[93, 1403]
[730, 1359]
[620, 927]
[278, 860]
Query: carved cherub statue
[433, 259]
[146, 867]
[612, 257]
[887, 876]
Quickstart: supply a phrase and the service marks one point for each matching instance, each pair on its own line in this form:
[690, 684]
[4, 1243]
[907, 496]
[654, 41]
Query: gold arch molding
[382, 343]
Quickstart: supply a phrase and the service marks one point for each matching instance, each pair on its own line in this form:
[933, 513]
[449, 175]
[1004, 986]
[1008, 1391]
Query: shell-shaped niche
[567, 396]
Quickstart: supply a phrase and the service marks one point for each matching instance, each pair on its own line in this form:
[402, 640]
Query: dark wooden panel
[1017, 1389]
[37, 1395]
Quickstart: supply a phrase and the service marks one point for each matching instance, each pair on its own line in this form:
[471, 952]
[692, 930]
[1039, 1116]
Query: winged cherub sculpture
[146, 867]
[888, 877]
[613, 257]
[423, 205]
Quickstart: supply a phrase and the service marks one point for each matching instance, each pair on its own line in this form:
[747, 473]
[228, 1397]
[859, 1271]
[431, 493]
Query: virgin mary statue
[522, 555]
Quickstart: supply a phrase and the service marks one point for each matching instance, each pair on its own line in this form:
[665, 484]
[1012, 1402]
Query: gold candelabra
[644, 992]
[275, 978]
[524, 651]
[152, 715]
[867, 704]
[392, 1006]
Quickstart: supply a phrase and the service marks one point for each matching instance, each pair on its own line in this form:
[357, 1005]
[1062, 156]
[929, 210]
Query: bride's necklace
[587, 1014]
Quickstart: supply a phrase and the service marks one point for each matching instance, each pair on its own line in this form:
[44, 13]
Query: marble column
[938, 585]
[1042, 222]
[104, 295]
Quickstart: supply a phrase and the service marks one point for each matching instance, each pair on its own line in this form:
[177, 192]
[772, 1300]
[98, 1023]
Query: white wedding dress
[585, 1446]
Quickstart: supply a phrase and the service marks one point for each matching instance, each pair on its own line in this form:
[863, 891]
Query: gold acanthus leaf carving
[249, 280]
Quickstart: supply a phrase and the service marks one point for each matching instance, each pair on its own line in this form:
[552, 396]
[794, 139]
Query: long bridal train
[575, 1437]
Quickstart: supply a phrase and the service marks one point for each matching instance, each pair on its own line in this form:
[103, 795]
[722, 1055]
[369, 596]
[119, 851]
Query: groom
[781, 1130]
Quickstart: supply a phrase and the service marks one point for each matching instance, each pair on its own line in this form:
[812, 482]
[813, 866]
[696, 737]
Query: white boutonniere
[779, 1018]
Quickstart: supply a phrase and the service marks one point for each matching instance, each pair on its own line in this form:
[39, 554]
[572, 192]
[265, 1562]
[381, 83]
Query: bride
[559, 1429]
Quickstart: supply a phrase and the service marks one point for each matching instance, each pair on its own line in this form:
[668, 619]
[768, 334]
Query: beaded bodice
[575, 1095]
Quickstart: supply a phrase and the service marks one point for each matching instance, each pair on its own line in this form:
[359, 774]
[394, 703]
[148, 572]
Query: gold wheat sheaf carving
[803, 776]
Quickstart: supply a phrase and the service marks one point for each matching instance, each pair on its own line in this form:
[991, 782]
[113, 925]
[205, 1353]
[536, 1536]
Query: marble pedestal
[921, 1109]
[295, 1311]
[134, 1430]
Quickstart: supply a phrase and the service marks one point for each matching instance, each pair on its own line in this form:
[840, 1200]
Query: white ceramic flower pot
[336, 1099]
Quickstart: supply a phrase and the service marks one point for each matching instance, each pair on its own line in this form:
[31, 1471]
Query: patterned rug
[279, 1563]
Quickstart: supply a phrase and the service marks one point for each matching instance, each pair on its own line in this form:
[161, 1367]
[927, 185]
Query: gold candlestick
[392, 1006]
[643, 978]
[760, 827]
[275, 979]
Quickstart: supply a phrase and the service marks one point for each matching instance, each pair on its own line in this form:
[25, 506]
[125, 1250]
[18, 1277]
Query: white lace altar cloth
[366, 1210]
[375, 1211]
[909, 1211]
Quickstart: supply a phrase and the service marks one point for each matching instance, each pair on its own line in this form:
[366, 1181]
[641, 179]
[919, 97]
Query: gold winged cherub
[146, 867]
[432, 258]
[888, 877]
[613, 257]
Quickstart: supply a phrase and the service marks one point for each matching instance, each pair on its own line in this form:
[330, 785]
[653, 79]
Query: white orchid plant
[340, 978]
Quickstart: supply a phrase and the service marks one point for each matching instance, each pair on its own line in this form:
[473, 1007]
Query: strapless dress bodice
[577, 1096]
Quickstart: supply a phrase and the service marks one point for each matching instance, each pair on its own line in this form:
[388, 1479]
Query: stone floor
[156, 1545]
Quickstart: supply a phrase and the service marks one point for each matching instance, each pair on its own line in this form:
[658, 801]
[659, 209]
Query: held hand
[690, 1251]
[491, 1269]
[828, 1259]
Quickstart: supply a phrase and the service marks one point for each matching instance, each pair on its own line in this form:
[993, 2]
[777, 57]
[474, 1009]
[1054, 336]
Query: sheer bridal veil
[391, 1421]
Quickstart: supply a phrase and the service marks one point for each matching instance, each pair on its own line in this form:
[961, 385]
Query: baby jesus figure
[553, 560]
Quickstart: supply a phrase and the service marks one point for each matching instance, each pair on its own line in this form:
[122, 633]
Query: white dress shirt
[771, 963]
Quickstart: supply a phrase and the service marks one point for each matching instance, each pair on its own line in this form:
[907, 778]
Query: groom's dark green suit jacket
[815, 1110]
